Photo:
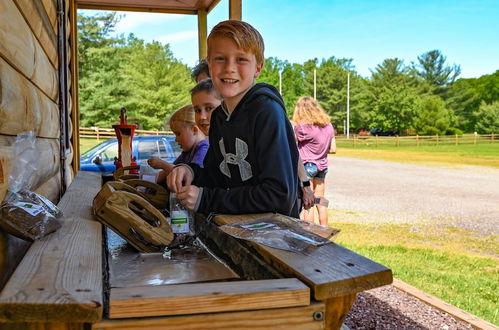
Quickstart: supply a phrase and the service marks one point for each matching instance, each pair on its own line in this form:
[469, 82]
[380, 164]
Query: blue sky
[367, 31]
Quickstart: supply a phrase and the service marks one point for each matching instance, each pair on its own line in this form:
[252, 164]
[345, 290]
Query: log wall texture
[30, 101]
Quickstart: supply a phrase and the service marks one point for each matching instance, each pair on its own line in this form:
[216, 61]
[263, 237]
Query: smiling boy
[251, 165]
[205, 99]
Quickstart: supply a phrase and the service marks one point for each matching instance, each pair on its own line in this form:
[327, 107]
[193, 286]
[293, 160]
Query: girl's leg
[308, 215]
[319, 189]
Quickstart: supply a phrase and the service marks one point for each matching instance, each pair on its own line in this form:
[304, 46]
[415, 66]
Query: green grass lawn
[87, 144]
[459, 266]
[486, 154]
[470, 283]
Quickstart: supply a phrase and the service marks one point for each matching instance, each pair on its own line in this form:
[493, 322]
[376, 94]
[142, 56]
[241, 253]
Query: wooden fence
[354, 140]
[415, 140]
[108, 133]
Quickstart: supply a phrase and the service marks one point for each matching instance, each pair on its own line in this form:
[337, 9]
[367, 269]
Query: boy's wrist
[305, 183]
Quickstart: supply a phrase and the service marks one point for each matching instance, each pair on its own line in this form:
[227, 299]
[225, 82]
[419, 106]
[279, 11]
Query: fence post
[492, 138]
[97, 130]
[353, 140]
[437, 139]
[157, 132]
[417, 140]
[456, 140]
[398, 142]
[474, 138]
[376, 140]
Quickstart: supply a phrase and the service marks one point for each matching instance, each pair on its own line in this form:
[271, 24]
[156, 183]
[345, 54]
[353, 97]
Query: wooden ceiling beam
[138, 9]
[188, 7]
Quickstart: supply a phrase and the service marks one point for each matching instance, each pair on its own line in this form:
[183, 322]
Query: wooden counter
[60, 283]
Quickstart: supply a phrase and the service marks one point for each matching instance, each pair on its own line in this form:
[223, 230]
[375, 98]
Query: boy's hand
[179, 177]
[188, 196]
[308, 197]
[155, 163]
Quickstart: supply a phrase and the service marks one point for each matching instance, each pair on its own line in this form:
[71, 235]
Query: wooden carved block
[132, 217]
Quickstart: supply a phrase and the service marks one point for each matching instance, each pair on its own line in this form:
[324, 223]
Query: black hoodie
[251, 165]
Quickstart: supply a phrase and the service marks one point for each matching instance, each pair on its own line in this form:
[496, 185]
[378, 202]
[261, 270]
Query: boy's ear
[259, 67]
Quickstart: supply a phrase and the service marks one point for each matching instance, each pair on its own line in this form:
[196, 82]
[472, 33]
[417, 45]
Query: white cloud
[178, 36]
[132, 20]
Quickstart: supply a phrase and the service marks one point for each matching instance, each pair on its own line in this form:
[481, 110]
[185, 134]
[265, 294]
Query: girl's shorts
[313, 172]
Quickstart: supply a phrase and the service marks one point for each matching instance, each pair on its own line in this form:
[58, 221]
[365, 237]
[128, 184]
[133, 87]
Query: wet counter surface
[130, 268]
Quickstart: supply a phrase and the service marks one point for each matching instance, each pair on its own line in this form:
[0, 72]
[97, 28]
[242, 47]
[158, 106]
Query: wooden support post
[457, 142]
[235, 9]
[398, 141]
[417, 140]
[97, 131]
[437, 139]
[337, 309]
[75, 108]
[202, 34]
[376, 141]
[474, 138]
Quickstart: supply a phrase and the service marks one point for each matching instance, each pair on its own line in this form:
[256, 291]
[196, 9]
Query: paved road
[370, 190]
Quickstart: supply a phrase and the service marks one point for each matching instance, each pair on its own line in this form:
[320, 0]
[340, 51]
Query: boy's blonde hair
[183, 116]
[243, 34]
[309, 111]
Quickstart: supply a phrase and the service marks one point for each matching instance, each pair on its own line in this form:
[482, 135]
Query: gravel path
[389, 308]
[379, 191]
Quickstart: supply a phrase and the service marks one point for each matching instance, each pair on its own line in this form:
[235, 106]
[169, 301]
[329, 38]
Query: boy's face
[184, 135]
[204, 103]
[232, 70]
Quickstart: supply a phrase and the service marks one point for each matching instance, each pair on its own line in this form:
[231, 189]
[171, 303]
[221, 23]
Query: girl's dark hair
[199, 69]
[207, 86]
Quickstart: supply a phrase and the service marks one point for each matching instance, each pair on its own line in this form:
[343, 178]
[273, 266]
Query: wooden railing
[354, 140]
[416, 140]
[108, 133]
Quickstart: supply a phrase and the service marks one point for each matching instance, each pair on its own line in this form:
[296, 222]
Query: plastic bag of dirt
[24, 213]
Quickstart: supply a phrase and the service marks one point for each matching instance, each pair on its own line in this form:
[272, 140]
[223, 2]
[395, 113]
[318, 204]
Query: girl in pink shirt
[314, 132]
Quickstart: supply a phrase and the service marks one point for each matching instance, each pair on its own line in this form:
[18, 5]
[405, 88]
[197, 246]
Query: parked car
[101, 157]
[380, 132]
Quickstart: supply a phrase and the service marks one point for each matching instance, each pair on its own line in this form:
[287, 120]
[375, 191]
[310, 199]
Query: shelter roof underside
[166, 6]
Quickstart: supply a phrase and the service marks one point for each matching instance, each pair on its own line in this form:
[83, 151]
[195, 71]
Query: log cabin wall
[30, 100]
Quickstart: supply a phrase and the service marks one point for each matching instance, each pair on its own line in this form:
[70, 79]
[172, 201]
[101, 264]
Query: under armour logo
[237, 159]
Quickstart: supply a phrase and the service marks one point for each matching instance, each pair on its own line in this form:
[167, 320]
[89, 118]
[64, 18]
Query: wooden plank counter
[334, 274]
[59, 284]
[330, 270]
[59, 280]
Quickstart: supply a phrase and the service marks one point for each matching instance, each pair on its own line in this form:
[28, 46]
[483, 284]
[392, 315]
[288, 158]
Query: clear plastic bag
[148, 173]
[279, 232]
[24, 213]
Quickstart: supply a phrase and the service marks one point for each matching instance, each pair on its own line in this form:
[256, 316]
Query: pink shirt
[314, 143]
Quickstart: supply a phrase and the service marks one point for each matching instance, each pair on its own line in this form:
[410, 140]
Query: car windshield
[92, 151]
[109, 153]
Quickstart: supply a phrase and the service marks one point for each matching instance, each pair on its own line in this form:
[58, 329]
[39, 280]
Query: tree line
[424, 97]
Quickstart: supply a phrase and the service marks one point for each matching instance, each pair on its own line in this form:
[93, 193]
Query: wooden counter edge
[60, 277]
